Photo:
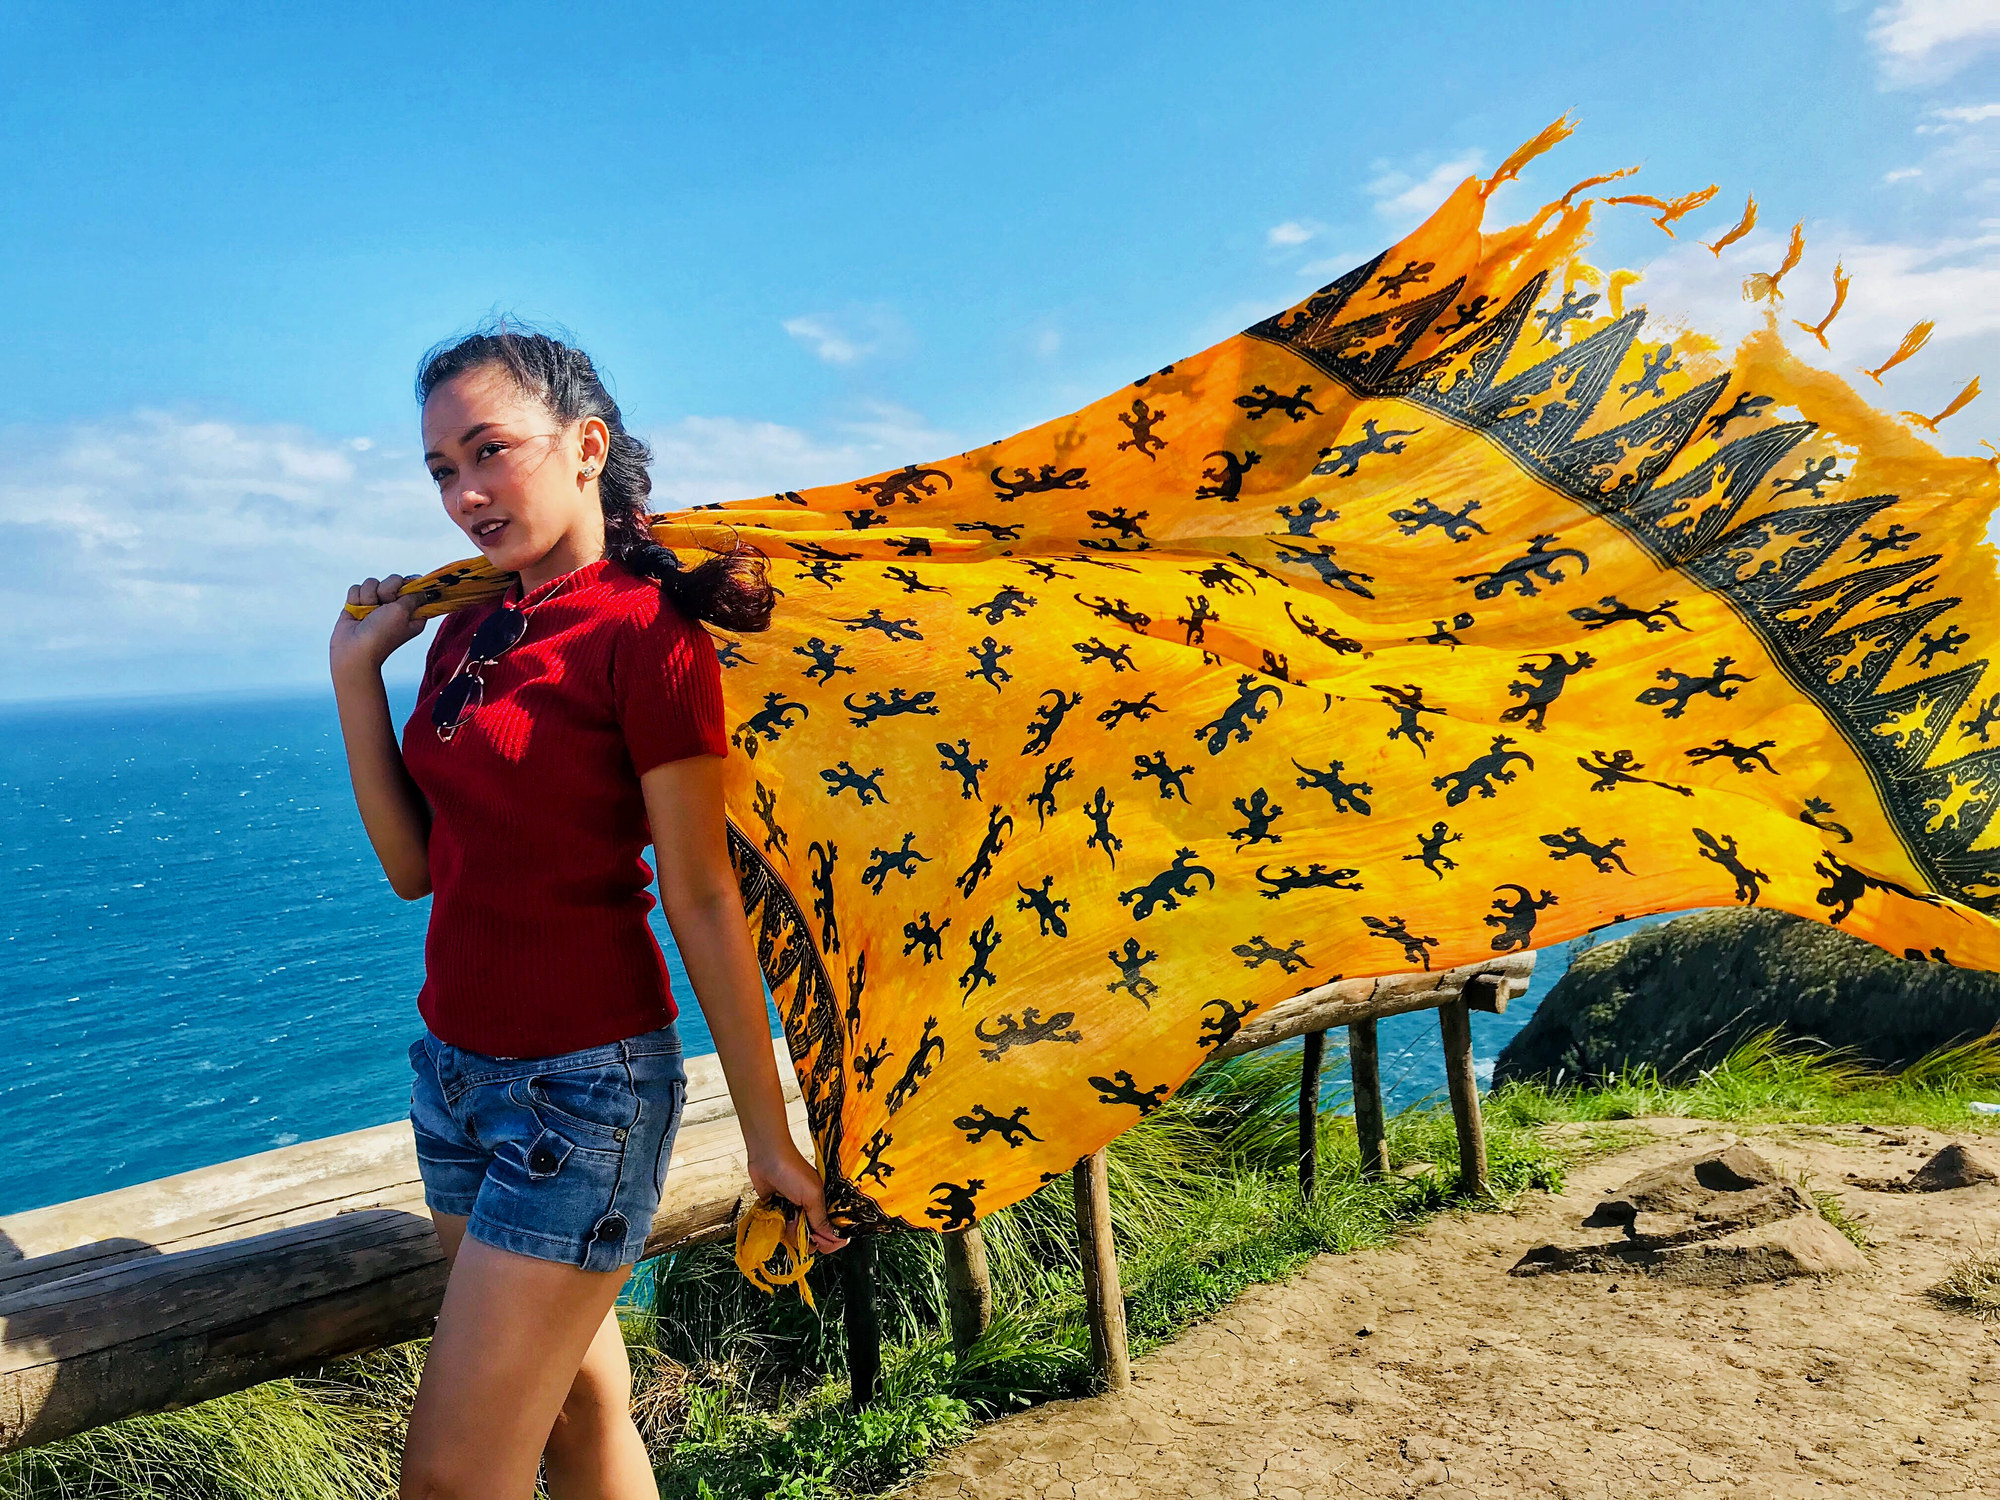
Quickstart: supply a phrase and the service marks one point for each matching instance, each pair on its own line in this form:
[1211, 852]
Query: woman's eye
[487, 450]
[439, 476]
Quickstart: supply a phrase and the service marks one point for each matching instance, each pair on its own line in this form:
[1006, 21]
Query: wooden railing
[170, 1292]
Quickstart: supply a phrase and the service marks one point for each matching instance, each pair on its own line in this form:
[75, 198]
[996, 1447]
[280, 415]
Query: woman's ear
[593, 441]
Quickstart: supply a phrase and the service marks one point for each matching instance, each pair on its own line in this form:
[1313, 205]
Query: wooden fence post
[1315, 1053]
[1365, 1068]
[967, 1288]
[1455, 1031]
[863, 1324]
[1104, 1297]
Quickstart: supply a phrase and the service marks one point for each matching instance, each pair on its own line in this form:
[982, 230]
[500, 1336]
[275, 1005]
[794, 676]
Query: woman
[557, 732]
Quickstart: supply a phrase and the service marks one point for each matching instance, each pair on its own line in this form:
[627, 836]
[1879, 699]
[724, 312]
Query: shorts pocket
[546, 1154]
[678, 1101]
[594, 1103]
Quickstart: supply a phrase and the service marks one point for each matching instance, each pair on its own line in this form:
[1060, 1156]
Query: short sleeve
[667, 683]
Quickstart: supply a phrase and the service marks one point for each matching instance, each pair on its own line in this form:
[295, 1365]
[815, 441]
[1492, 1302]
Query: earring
[590, 473]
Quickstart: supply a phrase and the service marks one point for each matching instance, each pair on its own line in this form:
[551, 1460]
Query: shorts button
[542, 1161]
[611, 1227]
[618, 1135]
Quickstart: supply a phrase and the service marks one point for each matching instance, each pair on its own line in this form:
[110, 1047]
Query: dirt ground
[1424, 1367]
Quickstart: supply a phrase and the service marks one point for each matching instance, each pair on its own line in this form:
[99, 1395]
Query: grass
[1767, 1079]
[740, 1395]
[1972, 1286]
[1835, 1213]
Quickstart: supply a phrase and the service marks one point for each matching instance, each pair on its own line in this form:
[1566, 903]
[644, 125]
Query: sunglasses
[462, 695]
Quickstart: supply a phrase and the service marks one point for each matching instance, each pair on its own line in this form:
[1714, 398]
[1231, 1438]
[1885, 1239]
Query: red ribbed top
[538, 940]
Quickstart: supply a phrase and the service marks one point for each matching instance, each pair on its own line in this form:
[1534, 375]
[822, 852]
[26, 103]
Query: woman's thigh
[511, 1333]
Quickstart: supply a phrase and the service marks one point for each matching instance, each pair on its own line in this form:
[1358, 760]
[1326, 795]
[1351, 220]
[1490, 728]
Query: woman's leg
[594, 1450]
[510, 1343]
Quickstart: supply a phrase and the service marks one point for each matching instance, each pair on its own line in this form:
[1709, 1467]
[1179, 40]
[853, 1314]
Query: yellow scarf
[1447, 613]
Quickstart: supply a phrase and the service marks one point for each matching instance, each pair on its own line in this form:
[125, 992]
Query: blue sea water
[200, 959]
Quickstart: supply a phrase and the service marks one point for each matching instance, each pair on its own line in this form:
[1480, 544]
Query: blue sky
[813, 241]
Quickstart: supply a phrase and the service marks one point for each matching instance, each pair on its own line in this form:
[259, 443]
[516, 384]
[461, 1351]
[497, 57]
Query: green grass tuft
[1767, 1078]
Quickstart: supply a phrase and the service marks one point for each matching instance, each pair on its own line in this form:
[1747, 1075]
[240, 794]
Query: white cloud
[1953, 280]
[848, 337]
[830, 344]
[1902, 174]
[1291, 232]
[702, 460]
[1960, 114]
[1328, 267]
[1926, 41]
[167, 551]
[1403, 199]
[172, 552]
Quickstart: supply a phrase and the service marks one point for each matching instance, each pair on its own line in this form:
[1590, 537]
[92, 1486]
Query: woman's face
[510, 475]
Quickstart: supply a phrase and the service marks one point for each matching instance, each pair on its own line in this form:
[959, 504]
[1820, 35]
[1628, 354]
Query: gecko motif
[1122, 1088]
[1234, 721]
[1259, 813]
[1048, 909]
[1430, 847]
[1416, 948]
[1044, 801]
[1571, 844]
[959, 762]
[1225, 481]
[898, 703]
[1008, 1033]
[884, 862]
[921, 934]
[1167, 887]
[1455, 524]
[1612, 768]
[1721, 850]
[1516, 918]
[1348, 796]
[1131, 977]
[1260, 951]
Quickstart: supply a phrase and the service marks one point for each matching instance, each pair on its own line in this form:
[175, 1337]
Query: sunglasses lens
[460, 696]
[501, 631]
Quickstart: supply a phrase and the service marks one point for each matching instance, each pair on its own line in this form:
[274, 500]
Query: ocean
[200, 959]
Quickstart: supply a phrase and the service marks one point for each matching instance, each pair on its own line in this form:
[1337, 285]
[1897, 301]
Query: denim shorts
[561, 1158]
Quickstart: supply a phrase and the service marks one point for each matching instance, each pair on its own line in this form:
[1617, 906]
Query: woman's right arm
[394, 812]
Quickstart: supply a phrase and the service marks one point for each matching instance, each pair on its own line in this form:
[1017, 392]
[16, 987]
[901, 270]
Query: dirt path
[1425, 1367]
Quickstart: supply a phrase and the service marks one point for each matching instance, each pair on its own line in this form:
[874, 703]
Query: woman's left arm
[703, 907]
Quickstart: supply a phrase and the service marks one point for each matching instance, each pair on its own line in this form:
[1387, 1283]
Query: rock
[1679, 995]
[1956, 1167]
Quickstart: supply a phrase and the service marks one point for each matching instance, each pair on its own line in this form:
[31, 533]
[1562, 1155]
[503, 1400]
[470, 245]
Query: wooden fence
[170, 1292]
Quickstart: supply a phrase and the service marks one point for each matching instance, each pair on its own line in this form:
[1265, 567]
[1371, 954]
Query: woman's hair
[729, 589]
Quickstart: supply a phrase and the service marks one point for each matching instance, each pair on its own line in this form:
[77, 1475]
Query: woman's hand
[363, 645]
[785, 1173]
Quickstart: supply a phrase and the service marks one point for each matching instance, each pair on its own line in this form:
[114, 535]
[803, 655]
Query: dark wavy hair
[729, 589]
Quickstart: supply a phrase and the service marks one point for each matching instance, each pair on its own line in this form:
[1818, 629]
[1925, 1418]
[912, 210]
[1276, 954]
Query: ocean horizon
[200, 958]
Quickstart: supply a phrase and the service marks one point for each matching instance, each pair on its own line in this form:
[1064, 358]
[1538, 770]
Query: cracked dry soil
[1470, 1382]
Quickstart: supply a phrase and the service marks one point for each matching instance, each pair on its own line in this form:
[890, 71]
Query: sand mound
[1472, 1382]
[1956, 1166]
[1723, 1217]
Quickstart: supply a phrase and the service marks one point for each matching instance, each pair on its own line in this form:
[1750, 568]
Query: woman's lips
[485, 535]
